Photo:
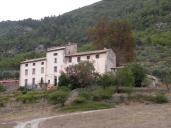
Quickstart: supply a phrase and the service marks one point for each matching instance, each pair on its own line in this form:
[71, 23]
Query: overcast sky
[37, 9]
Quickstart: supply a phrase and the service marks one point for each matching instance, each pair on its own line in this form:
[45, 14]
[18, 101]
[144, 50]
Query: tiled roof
[88, 53]
[55, 48]
[33, 60]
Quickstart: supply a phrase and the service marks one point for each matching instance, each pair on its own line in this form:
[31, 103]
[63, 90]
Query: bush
[23, 90]
[138, 73]
[31, 97]
[2, 88]
[3, 101]
[78, 76]
[160, 98]
[124, 78]
[102, 93]
[80, 100]
[107, 79]
[58, 97]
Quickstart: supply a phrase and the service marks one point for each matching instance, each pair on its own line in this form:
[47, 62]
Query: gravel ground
[123, 116]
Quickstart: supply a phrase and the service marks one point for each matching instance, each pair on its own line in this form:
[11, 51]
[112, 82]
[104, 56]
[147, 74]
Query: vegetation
[78, 76]
[59, 96]
[2, 88]
[150, 20]
[138, 73]
[124, 78]
[116, 35]
[87, 106]
[160, 98]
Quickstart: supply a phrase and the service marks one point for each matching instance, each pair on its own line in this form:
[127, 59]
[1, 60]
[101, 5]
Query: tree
[107, 79]
[116, 35]
[138, 73]
[78, 76]
[166, 78]
[124, 78]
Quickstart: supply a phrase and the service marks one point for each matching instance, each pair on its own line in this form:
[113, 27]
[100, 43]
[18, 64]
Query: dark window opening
[34, 64]
[97, 56]
[55, 81]
[26, 65]
[55, 69]
[42, 63]
[88, 57]
[78, 59]
[55, 54]
[70, 59]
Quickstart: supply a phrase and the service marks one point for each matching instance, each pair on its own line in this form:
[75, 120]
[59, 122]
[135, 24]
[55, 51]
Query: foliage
[86, 106]
[80, 100]
[138, 73]
[116, 35]
[58, 97]
[149, 18]
[160, 98]
[63, 80]
[3, 101]
[125, 78]
[103, 93]
[2, 88]
[78, 76]
[31, 97]
[107, 79]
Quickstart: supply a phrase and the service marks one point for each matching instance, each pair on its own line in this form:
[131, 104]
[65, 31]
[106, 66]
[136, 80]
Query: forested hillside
[150, 19]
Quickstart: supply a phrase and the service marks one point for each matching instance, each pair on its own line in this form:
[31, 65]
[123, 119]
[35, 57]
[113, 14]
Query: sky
[37, 9]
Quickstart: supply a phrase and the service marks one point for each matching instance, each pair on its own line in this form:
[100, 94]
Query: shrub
[58, 97]
[78, 76]
[31, 97]
[138, 73]
[80, 100]
[23, 90]
[102, 93]
[2, 88]
[160, 98]
[107, 79]
[3, 101]
[124, 78]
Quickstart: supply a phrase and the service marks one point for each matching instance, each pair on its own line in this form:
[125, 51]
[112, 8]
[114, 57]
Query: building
[49, 68]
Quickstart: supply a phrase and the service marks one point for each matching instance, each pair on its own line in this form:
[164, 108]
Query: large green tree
[116, 35]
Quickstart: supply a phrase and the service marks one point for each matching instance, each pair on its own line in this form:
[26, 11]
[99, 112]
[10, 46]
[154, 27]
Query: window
[42, 63]
[48, 81]
[42, 70]
[78, 59]
[33, 81]
[55, 60]
[26, 72]
[97, 56]
[26, 82]
[55, 69]
[34, 64]
[55, 81]
[33, 71]
[70, 59]
[55, 54]
[26, 65]
[88, 57]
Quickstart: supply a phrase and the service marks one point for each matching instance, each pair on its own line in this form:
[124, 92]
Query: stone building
[49, 68]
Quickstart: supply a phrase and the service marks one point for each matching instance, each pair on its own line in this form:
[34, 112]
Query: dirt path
[131, 116]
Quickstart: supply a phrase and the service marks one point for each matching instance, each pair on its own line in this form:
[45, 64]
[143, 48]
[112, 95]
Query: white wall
[99, 63]
[38, 75]
[50, 74]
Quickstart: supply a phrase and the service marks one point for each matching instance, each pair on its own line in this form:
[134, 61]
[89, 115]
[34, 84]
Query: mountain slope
[147, 16]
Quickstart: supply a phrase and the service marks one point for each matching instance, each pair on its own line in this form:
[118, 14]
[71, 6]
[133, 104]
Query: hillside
[150, 19]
